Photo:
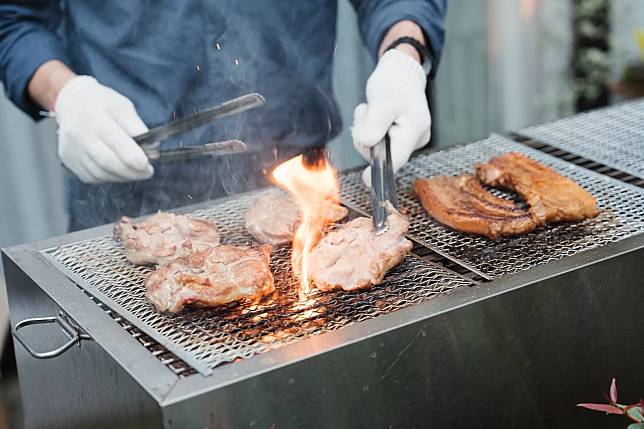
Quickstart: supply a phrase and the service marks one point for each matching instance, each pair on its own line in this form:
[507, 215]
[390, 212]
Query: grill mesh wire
[621, 207]
[207, 338]
[613, 136]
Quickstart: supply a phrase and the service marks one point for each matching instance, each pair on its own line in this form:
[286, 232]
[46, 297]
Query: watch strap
[424, 52]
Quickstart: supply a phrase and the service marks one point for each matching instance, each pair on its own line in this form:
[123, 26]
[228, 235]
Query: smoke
[181, 59]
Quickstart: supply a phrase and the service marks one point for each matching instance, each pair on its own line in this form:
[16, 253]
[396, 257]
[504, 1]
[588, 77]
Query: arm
[95, 123]
[28, 41]
[47, 81]
[383, 21]
[396, 101]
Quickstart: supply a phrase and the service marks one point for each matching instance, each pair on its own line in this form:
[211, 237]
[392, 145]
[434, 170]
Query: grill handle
[66, 325]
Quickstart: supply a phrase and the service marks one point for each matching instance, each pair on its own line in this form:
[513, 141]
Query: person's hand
[96, 125]
[396, 102]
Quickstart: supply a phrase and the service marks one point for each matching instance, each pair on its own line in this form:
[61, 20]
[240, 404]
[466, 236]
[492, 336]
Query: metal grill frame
[207, 338]
[621, 212]
[229, 214]
[613, 136]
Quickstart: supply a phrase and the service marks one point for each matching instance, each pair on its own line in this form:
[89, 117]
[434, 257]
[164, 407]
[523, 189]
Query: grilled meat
[165, 236]
[353, 257]
[551, 196]
[209, 278]
[274, 217]
[460, 202]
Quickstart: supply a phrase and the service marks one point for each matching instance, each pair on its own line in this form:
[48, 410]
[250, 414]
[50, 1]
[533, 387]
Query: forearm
[403, 29]
[47, 81]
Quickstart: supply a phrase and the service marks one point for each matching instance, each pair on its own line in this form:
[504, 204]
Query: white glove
[396, 102]
[94, 135]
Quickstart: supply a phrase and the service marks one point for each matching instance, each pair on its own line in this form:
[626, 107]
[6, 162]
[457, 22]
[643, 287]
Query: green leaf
[636, 426]
[635, 413]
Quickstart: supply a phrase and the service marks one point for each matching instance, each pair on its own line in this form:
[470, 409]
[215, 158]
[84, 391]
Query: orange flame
[313, 187]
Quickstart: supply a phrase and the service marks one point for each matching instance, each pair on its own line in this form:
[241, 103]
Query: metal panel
[206, 338]
[621, 212]
[523, 351]
[613, 136]
[84, 387]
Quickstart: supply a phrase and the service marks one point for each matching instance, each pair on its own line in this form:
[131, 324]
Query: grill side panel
[517, 359]
[84, 387]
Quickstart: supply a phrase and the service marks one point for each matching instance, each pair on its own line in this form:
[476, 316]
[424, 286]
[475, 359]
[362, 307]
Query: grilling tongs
[383, 184]
[150, 140]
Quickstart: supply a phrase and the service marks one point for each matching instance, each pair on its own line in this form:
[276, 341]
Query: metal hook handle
[66, 325]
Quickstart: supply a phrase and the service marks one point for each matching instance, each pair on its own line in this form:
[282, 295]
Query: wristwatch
[424, 52]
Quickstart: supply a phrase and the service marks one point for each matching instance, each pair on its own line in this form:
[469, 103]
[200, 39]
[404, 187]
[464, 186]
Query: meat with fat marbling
[165, 236]
[274, 217]
[210, 278]
[353, 257]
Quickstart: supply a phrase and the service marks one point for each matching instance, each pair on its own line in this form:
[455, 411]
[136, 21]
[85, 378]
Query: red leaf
[607, 408]
[613, 391]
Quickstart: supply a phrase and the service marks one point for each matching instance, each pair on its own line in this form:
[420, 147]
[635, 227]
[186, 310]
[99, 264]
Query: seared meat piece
[460, 202]
[274, 217]
[353, 257]
[551, 196]
[165, 236]
[209, 278]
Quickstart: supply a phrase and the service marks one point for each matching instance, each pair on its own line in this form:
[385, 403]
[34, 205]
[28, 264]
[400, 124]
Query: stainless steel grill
[612, 136]
[562, 320]
[621, 206]
[207, 338]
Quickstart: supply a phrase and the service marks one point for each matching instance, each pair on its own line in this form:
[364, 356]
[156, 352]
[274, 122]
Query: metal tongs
[383, 184]
[151, 140]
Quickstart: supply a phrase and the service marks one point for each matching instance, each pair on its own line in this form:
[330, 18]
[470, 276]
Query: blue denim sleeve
[27, 39]
[377, 16]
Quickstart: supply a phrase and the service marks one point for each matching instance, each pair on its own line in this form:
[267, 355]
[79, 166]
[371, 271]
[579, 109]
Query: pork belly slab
[353, 257]
[165, 236]
[274, 217]
[552, 197]
[210, 278]
[460, 202]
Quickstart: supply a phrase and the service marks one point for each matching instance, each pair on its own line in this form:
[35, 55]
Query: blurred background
[506, 64]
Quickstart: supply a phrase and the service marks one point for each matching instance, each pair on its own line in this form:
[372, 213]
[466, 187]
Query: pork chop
[552, 197]
[353, 257]
[274, 217]
[165, 236]
[460, 202]
[209, 278]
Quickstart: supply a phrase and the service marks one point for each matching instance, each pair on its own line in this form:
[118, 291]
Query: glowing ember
[313, 188]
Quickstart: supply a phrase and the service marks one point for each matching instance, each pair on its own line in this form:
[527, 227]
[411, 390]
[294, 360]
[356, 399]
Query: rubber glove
[396, 102]
[95, 129]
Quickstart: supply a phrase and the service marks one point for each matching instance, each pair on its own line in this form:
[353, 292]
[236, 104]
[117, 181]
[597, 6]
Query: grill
[621, 212]
[612, 136]
[207, 338]
[204, 339]
[556, 304]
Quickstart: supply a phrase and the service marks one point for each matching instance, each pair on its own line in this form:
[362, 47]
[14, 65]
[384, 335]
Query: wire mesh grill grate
[621, 212]
[613, 136]
[207, 338]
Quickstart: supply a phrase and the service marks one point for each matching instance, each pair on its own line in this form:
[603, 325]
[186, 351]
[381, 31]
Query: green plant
[635, 412]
